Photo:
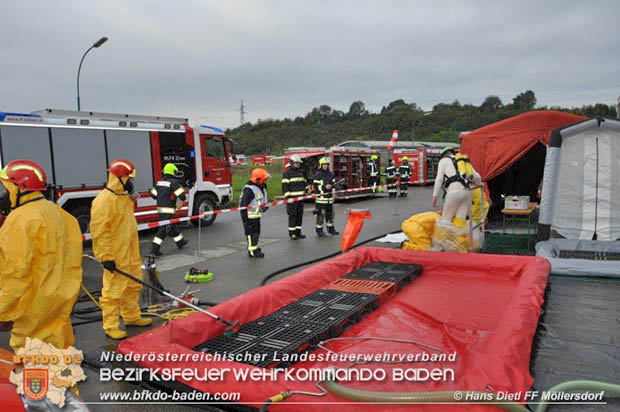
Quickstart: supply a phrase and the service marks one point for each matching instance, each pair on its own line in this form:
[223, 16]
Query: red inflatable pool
[483, 308]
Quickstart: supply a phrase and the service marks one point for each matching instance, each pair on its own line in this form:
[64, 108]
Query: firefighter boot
[181, 243]
[116, 333]
[299, 234]
[332, 231]
[155, 250]
[320, 233]
[259, 253]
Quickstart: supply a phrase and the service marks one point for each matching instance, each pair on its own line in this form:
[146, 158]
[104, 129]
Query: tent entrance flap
[584, 201]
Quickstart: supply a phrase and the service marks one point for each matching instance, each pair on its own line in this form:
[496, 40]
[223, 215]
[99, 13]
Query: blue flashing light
[3, 115]
[192, 154]
[216, 129]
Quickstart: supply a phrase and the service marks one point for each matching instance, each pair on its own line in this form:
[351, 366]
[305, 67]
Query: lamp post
[96, 45]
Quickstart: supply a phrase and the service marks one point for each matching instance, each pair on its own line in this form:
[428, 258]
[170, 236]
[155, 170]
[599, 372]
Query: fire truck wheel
[82, 214]
[204, 203]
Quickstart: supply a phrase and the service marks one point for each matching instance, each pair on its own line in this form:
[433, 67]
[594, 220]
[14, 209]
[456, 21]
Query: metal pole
[397, 196]
[97, 44]
[198, 253]
[78, 76]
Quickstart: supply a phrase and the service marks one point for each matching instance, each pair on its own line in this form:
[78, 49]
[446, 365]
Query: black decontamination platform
[300, 325]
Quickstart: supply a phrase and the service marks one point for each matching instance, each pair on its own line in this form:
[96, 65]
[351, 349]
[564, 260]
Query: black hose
[309, 262]
[265, 405]
[206, 303]
[85, 322]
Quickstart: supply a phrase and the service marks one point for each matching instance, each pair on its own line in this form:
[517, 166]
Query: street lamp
[96, 45]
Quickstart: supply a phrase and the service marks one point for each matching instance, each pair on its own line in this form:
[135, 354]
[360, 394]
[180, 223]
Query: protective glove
[109, 265]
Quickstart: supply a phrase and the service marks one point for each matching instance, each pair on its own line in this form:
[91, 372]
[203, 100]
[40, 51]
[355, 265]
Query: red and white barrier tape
[153, 225]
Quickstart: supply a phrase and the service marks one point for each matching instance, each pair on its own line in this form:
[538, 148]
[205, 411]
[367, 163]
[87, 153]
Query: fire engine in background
[76, 147]
[261, 160]
[349, 165]
[240, 160]
[423, 164]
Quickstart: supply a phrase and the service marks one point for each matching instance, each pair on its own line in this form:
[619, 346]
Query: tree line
[326, 126]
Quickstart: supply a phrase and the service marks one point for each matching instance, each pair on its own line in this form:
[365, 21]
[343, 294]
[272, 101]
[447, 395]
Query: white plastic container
[517, 202]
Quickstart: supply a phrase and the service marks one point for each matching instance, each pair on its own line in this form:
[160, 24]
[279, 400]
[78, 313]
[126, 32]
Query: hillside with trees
[325, 126]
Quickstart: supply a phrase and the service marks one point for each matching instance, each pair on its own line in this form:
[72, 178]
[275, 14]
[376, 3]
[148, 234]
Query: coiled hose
[581, 385]
[418, 397]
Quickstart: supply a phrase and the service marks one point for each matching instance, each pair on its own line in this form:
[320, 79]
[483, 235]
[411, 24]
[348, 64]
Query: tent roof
[495, 147]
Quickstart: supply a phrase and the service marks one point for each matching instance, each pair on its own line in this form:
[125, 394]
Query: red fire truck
[76, 147]
[423, 163]
[349, 165]
[261, 160]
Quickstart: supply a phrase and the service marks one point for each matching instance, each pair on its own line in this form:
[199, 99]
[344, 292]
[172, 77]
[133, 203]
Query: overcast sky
[198, 59]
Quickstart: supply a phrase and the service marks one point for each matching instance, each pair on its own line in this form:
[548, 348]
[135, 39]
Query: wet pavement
[221, 249]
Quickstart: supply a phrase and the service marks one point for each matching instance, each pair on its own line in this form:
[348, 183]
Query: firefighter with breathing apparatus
[457, 177]
[373, 172]
[115, 243]
[324, 187]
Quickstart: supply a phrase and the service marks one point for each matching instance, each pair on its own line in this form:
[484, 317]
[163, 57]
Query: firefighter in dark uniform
[391, 174]
[373, 173]
[166, 192]
[405, 173]
[324, 186]
[294, 184]
[254, 197]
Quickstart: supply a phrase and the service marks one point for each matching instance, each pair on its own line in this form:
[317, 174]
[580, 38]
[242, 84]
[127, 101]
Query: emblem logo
[36, 383]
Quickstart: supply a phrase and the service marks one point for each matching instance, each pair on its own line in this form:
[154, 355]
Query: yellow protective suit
[40, 270]
[419, 228]
[480, 205]
[115, 237]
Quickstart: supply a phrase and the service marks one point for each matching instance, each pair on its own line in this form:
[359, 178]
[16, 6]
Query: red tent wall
[494, 148]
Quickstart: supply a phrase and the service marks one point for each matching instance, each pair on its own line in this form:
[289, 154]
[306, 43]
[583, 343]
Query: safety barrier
[174, 220]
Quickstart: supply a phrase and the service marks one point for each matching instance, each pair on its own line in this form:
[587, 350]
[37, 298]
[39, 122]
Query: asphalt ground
[221, 248]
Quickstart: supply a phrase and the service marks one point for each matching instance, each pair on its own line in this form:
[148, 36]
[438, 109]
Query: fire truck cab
[76, 147]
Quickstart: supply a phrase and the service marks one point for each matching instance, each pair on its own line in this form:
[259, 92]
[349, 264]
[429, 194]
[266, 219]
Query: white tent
[581, 184]
[581, 200]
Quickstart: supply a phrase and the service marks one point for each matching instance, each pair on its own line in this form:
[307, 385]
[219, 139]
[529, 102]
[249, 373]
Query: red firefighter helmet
[122, 167]
[259, 176]
[26, 174]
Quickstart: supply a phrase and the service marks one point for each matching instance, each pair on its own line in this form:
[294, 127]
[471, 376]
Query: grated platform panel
[588, 254]
[266, 338]
[333, 308]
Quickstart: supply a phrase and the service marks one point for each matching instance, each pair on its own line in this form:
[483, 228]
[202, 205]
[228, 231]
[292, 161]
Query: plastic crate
[399, 273]
[385, 290]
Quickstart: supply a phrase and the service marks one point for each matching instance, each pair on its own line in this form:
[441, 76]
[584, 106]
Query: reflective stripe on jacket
[259, 198]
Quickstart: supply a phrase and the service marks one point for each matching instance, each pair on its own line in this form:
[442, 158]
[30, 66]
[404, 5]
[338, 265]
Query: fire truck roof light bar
[109, 116]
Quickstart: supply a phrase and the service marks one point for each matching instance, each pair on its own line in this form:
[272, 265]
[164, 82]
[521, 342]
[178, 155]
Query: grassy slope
[241, 175]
